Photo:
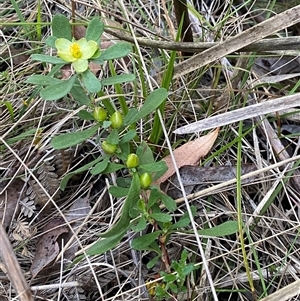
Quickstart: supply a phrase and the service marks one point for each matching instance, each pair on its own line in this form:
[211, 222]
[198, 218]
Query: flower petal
[63, 49]
[88, 48]
[80, 65]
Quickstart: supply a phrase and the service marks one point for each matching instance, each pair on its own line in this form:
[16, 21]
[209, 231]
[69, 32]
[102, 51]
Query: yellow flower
[76, 52]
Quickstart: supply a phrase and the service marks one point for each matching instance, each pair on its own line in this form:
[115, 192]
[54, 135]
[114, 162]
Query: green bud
[116, 120]
[132, 161]
[108, 148]
[145, 180]
[100, 114]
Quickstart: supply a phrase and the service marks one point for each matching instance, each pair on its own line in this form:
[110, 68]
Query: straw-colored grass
[262, 261]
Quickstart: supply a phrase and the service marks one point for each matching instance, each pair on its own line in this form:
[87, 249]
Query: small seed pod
[132, 161]
[116, 120]
[108, 148]
[145, 180]
[100, 114]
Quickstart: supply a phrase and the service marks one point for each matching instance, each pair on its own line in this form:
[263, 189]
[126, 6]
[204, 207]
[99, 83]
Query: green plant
[145, 204]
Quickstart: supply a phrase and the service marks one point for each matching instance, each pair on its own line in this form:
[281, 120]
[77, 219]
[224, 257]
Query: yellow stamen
[75, 50]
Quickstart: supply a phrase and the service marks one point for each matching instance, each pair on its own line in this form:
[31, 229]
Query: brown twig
[13, 268]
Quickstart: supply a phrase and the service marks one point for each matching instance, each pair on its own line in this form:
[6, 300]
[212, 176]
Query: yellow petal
[80, 65]
[63, 49]
[88, 48]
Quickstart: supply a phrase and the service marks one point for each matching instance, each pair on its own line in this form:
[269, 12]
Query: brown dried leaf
[189, 154]
[9, 201]
[47, 246]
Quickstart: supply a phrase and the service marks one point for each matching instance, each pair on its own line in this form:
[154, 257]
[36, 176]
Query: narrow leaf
[115, 51]
[130, 202]
[91, 82]
[154, 167]
[118, 79]
[100, 167]
[79, 94]
[94, 30]
[168, 202]
[118, 192]
[142, 242]
[70, 139]
[61, 27]
[184, 220]
[128, 136]
[152, 102]
[59, 90]
[113, 167]
[47, 59]
[68, 176]
[145, 154]
[161, 217]
[85, 115]
[224, 229]
[42, 80]
[106, 244]
[140, 226]
[113, 137]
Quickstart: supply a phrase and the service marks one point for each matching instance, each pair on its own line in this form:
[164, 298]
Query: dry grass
[272, 242]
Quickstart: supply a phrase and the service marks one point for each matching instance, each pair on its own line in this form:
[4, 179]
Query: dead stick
[13, 268]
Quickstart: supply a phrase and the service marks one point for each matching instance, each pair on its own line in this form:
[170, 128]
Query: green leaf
[10, 109]
[227, 228]
[113, 137]
[61, 27]
[152, 102]
[42, 80]
[130, 202]
[140, 226]
[67, 177]
[161, 217]
[47, 59]
[50, 41]
[113, 167]
[91, 82]
[22, 136]
[145, 154]
[70, 139]
[184, 220]
[118, 192]
[125, 151]
[153, 262]
[85, 115]
[100, 167]
[154, 167]
[168, 202]
[59, 90]
[94, 30]
[131, 134]
[130, 115]
[106, 244]
[118, 79]
[155, 195]
[142, 242]
[115, 51]
[79, 94]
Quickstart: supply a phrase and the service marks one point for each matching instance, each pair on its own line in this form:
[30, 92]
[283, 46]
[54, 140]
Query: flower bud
[108, 148]
[132, 161]
[99, 114]
[116, 120]
[145, 180]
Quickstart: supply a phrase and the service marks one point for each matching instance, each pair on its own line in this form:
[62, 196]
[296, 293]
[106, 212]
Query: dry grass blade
[285, 293]
[267, 107]
[256, 33]
[13, 268]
